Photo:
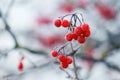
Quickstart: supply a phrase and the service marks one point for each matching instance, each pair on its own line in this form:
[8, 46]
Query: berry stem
[61, 47]
[69, 76]
[82, 18]
[71, 46]
[65, 16]
[63, 50]
[78, 19]
[75, 19]
[75, 69]
[7, 27]
[74, 64]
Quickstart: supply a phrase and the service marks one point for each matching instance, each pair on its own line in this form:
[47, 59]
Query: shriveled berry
[20, 66]
[57, 23]
[55, 53]
[64, 65]
[69, 59]
[78, 30]
[69, 36]
[65, 23]
[62, 58]
[81, 39]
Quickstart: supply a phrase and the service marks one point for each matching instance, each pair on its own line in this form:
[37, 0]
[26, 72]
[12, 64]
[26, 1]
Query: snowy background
[32, 23]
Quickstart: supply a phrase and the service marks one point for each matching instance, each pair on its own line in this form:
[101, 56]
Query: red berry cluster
[63, 59]
[77, 32]
[80, 33]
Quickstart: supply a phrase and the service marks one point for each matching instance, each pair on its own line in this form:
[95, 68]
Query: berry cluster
[78, 33]
[62, 58]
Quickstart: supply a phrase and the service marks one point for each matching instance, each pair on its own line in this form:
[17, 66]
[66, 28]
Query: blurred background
[27, 30]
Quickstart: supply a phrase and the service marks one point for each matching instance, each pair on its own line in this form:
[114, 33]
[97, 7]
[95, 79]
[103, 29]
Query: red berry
[57, 23]
[81, 39]
[87, 33]
[64, 65]
[62, 58]
[78, 30]
[75, 36]
[20, 66]
[69, 36]
[54, 53]
[65, 23]
[85, 27]
[69, 60]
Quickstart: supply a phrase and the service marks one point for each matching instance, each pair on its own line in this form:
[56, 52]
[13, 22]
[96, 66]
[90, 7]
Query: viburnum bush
[78, 31]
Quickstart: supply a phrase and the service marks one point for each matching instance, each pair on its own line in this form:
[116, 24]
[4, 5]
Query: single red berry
[20, 66]
[75, 36]
[85, 27]
[62, 58]
[54, 53]
[81, 39]
[87, 33]
[65, 23]
[64, 65]
[69, 60]
[57, 23]
[69, 36]
[78, 30]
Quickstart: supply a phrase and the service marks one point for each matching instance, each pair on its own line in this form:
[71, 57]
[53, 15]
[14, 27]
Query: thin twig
[29, 70]
[69, 76]
[8, 9]
[74, 64]
[7, 27]
[108, 64]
